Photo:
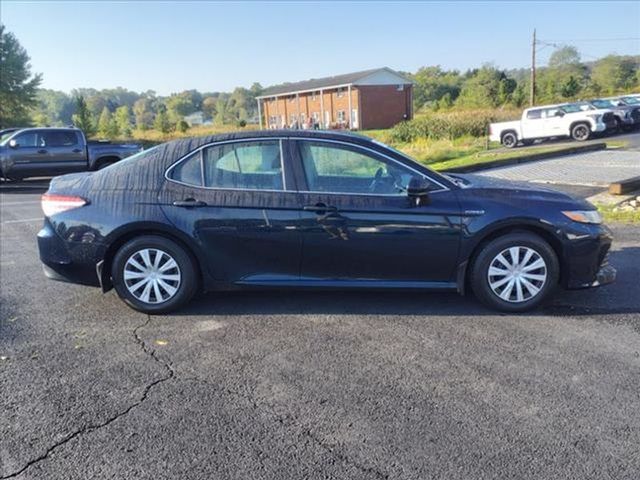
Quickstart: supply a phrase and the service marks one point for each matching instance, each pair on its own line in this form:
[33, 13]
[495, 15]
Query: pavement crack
[257, 405]
[170, 373]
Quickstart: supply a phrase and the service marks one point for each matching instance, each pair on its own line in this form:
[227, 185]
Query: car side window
[189, 170]
[534, 114]
[253, 165]
[60, 139]
[339, 168]
[29, 139]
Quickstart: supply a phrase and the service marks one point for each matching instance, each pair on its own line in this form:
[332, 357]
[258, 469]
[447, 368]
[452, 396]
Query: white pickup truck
[549, 121]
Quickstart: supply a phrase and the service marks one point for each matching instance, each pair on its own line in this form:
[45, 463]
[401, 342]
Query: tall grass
[449, 125]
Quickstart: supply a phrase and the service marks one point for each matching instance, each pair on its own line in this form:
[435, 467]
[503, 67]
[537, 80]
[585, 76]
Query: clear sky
[216, 46]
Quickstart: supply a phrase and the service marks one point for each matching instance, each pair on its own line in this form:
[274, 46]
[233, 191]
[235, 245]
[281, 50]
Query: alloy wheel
[152, 275]
[517, 274]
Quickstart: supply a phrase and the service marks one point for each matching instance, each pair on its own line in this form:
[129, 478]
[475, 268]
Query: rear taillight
[52, 203]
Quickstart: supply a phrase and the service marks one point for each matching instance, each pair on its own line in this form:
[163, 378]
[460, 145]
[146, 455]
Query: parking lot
[312, 385]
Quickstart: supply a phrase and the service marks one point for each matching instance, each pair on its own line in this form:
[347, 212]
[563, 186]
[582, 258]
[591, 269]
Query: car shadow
[621, 297]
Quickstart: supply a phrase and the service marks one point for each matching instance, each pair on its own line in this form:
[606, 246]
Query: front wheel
[580, 132]
[153, 274]
[515, 273]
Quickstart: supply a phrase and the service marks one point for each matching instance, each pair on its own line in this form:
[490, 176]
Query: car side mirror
[418, 191]
[13, 144]
[559, 113]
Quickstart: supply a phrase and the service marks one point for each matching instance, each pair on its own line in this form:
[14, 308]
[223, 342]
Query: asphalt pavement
[312, 385]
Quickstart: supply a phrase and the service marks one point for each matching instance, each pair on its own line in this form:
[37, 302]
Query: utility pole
[532, 96]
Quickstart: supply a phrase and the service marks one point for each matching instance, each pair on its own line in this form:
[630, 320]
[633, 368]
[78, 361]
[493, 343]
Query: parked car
[626, 116]
[551, 121]
[35, 152]
[312, 209]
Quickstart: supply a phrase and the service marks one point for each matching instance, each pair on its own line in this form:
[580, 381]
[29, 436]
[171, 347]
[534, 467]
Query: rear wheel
[509, 139]
[580, 132]
[153, 274]
[515, 273]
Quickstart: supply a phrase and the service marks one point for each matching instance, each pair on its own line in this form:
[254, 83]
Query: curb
[528, 158]
[623, 187]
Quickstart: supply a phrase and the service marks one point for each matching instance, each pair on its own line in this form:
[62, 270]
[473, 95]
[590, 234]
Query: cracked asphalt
[312, 385]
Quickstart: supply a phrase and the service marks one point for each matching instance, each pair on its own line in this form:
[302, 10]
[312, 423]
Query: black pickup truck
[47, 152]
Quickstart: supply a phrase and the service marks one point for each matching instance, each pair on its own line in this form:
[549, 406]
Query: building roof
[335, 81]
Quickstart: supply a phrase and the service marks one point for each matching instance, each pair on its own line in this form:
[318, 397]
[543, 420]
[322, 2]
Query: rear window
[60, 138]
[534, 114]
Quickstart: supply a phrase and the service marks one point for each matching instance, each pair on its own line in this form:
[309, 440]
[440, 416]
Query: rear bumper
[67, 261]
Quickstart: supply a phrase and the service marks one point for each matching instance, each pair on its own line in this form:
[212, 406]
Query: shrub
[449, 125]
[182, 126]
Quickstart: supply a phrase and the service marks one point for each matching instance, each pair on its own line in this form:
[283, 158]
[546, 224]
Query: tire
[509, 139]
[488, 287]
[581, 132]
[176, 285]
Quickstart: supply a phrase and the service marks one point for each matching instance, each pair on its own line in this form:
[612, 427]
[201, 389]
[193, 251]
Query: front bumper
[586, 256]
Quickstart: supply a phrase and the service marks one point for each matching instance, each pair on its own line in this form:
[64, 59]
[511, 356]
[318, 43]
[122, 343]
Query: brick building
[377, 98]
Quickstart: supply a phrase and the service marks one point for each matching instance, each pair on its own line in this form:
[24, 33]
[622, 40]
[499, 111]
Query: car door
[360, 226]
[236, 200]
[66, 152]
[554, 123]
[26, 154]
[533, 125]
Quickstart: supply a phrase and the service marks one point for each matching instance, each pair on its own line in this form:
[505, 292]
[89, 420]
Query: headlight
[584, 216]
[596, 118]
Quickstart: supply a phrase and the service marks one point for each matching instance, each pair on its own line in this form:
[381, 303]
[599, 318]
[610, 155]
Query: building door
[327, 119]
[354, 119]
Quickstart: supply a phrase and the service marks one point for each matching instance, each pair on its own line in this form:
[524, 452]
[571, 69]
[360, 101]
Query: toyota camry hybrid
[309, 209]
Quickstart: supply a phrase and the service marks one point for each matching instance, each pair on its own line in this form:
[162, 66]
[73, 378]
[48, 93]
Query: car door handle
[320, 208]
[189, 203]
[76, 150]
[42, 152]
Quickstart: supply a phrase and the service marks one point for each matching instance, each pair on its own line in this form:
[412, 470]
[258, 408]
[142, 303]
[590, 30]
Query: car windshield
[5, 136]
[631, 100]
[603, 103]
[574, 108]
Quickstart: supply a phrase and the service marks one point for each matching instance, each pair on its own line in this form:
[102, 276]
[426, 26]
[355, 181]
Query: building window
[340, 93]
[292, 98]
[400, 87]
[315, 116]
[315, 95]
[342, 116]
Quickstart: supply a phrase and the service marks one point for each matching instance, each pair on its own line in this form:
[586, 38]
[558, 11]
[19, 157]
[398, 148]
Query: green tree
[18, 87]
[143, 112]
[431, 84]
[486, 87]
[107, 125]
[123, 120]
[209, 106]
[566, 56]
[570, 88]
[182, 126]
[82, 119]
[161, 122]
[614, 73]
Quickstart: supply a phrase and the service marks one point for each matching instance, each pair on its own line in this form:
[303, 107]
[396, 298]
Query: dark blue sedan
[311, 209]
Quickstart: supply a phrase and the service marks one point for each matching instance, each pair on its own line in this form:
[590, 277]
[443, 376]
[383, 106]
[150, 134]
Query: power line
[621, 39]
